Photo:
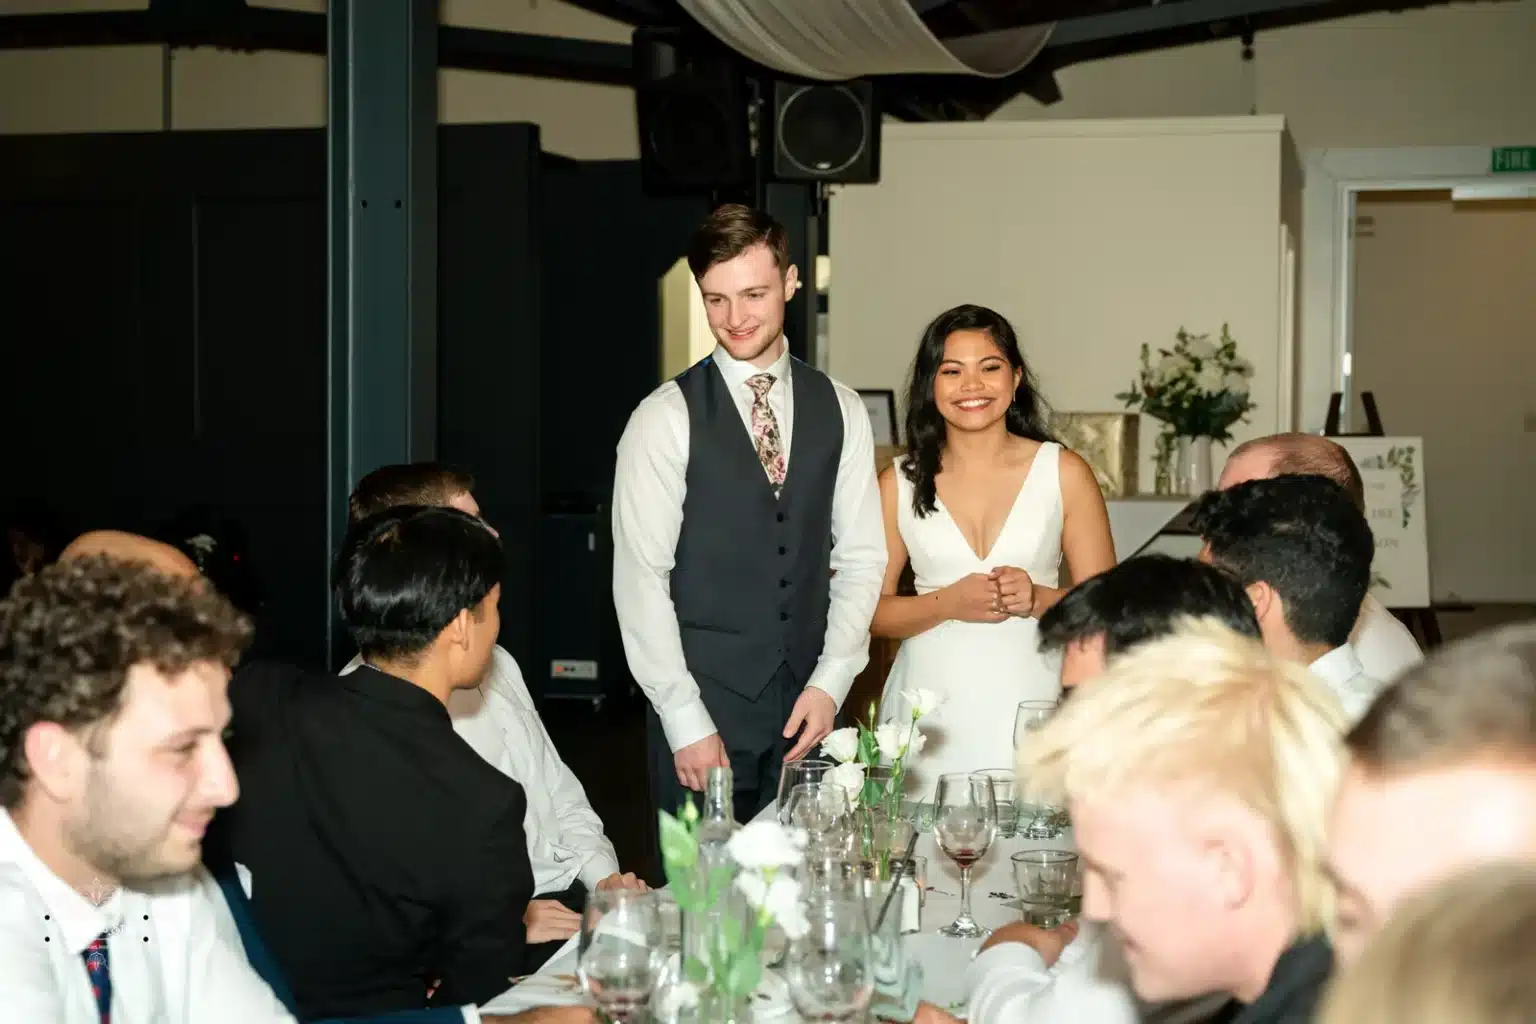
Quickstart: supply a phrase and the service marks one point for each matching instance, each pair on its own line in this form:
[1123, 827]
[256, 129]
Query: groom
[748, 550]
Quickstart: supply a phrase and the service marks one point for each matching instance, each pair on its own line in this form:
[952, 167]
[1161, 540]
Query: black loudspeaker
[691, 104]
[826, 132]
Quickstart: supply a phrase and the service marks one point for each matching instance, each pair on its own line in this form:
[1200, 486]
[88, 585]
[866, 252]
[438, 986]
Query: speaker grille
[688, 135]
[823, 130]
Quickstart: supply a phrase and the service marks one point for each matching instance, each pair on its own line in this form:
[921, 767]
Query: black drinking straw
[895, 880]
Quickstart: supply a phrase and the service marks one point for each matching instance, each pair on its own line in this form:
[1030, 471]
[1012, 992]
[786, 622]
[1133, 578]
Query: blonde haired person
[1199, 770]
[1460, 952]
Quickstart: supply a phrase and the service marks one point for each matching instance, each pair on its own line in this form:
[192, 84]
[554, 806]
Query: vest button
[783, 616]
[783, 550]
[780, 517]
[783, 584]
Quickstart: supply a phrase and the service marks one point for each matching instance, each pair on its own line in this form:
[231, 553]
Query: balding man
[130, 547]
[1384, 645]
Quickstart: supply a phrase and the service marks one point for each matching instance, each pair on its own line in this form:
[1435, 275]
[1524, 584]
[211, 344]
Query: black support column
[796, 205]
[382, 72]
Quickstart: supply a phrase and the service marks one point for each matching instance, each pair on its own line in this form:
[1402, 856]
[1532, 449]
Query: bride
[984, 505]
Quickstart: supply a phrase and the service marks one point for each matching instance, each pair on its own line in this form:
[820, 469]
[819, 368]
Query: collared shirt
[1340, 668]
[1386, 647]
[650, 483]
[565, 836]
[169, 961]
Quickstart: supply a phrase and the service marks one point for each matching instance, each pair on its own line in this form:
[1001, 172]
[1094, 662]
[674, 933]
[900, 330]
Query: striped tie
[101, 977]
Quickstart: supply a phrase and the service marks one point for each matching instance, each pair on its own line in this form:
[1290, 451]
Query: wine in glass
[831, 969]
[621, 952]
[1045, 821]
[965, 820]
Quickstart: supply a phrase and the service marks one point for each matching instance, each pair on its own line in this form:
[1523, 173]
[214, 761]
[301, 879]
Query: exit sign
[1514, 160]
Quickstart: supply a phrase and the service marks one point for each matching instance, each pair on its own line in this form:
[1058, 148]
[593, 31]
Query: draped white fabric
[833, 40]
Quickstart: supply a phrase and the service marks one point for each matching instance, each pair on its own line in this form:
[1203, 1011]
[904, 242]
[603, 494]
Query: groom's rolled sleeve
[649, 484]
[858, 554]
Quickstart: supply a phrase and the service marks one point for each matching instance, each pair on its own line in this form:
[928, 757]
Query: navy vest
[752, 574]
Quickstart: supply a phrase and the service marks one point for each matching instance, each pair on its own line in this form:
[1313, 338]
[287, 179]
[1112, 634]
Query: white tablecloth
[944, 959]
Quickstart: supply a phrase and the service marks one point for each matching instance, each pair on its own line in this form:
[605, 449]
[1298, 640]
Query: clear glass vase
[1193, 469]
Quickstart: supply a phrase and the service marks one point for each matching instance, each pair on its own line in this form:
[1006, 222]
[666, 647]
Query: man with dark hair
[1441, 778]
[569, 853]
[748, 547]
[1385, 646]
[113, 684]
[1302, 550]
[1140, 599]
[383, 854]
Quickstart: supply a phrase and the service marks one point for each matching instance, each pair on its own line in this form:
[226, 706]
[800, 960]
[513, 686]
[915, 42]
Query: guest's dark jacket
[385, 854]
[1295, 988]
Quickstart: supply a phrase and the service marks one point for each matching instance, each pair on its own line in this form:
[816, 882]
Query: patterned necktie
[101, 977]
[765, 432]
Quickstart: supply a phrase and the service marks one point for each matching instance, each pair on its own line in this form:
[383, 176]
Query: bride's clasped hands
[1015, 590]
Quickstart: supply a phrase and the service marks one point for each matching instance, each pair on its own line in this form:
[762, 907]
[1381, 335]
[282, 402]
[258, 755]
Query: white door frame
[1334, 179]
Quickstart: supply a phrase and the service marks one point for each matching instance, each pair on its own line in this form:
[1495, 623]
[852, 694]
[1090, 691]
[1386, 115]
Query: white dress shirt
[1385, 646]
[168, 960]
[1340, 668]
[649, 486]
[565, 836]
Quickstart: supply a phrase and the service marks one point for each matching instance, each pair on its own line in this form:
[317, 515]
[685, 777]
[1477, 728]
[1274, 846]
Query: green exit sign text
[1514, 160]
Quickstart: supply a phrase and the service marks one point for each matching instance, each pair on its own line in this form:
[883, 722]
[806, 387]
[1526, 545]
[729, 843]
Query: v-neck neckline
[984, 559]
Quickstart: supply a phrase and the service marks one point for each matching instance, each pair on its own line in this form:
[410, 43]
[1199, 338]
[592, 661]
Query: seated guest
[1025, 973]
[1198, 770]
[1460, 952]
[386, 858]
[1303, 551]
[1140, 599]
[112, 703]
[130, 547]
[1441, 777]
[566, 845]
[1385, 646]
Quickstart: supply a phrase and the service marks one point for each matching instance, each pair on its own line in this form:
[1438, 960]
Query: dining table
[994, 902]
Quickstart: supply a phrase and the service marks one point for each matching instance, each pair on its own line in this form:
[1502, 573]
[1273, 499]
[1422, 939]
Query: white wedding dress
[981, 669]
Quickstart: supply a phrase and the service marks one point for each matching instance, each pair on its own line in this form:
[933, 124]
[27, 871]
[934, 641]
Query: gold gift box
[1110, 442]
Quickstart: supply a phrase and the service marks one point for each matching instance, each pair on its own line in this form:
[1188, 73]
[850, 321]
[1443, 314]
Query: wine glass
[798, 773]
[824, 810]
[1046, 822]
[965, 819]
[831, 968]
[621, 952]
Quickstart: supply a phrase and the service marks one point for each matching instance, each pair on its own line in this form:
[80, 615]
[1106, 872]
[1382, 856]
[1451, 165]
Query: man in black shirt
[385, 856]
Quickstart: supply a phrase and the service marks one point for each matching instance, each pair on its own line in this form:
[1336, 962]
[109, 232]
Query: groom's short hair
[1142, 599]
[409, 483]
[730, 231]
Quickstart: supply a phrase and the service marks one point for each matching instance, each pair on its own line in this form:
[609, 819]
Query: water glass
[1046, 880]
[621, 952]
[798, 773]
[1005, 792]
[831, 968]
[825, 812]
[965, 820]
[1045, 821]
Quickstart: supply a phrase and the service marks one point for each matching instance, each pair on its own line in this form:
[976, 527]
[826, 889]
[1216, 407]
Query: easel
[1421, 622]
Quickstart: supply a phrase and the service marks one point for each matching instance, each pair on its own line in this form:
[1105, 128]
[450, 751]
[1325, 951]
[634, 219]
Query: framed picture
[1392, 469]
[882, 417]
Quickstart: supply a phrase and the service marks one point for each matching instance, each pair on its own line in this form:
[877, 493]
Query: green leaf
[743, 974]
[695, 970]
[679, 845]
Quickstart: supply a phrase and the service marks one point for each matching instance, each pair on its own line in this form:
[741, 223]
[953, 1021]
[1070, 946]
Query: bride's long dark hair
[926, 429]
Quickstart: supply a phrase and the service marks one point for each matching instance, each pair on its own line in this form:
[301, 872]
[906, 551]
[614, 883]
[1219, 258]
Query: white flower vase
[1192, 473]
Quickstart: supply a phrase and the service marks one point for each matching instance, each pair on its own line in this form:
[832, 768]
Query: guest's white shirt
[1010, 984]
[1385, 646]
[1340, 668]
[168, 961]
[649, 486]
[565, 836]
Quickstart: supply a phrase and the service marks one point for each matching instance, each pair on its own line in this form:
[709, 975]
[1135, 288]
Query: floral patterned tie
[765, 432]
[101, 978]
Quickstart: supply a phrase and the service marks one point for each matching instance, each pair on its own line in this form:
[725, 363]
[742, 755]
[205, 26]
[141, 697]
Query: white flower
[1200, 348]
[1236, 383]
[850, 776]
[841, 744]
[1170, 368]
[779, 897]
[915, 743]
[1210, 378]
[766, 844]
[922, 702]
[897, 740]
[1242, 367]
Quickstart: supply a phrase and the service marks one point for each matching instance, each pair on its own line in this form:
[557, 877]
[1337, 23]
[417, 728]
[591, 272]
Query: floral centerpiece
[1199, 389]
[721, 962]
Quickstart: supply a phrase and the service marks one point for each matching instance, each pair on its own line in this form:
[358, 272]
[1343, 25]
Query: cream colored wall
[1092, 237]
[1461, 74]
[1445, 335]
[102, 89]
